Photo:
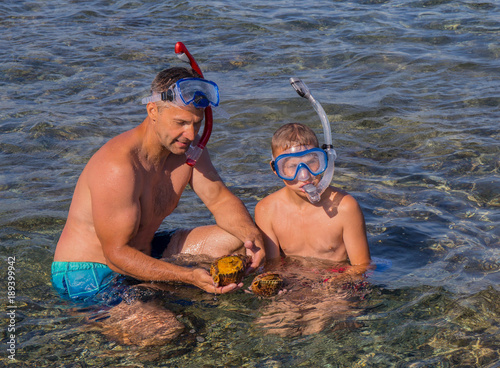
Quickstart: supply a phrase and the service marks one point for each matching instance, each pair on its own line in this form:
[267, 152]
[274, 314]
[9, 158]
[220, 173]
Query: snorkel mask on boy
[299, 162]
[199, 92]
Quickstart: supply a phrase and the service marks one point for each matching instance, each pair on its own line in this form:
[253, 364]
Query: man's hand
[203, 280]
[258, 255]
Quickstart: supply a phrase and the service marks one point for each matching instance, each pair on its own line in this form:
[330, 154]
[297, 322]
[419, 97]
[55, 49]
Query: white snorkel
[314, 192]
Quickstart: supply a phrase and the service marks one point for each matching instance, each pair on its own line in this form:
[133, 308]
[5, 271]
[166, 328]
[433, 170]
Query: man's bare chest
[161, 194]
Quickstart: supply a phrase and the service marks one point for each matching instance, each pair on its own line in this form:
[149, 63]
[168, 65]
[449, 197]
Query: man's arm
[230, 213]
[116, 214]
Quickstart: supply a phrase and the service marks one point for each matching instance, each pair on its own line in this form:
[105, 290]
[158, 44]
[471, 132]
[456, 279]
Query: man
[136, 180]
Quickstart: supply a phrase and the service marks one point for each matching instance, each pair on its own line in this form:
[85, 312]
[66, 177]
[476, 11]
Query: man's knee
[210, 240]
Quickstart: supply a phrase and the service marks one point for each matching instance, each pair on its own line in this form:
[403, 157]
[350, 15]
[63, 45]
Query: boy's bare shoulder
[346, 202]
[337, 191]
[270, 201]
[341, 200]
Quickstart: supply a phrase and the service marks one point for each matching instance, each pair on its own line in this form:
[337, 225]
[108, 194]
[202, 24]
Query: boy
[331, 229]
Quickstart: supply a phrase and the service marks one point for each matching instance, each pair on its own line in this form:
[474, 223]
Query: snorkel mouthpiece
[314, 192]
[182, 56]
[194, 152]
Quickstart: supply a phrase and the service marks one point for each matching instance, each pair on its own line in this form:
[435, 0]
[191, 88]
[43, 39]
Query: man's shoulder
[115, 159]
[120, 147]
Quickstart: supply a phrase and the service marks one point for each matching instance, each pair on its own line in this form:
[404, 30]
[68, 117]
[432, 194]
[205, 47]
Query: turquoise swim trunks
[81, 280]
[85, 280]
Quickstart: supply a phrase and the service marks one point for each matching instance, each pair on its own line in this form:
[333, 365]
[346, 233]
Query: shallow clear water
[412, 90]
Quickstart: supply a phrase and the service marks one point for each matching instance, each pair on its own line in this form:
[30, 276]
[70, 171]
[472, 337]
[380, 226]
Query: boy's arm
[354, 234]
[263, 219]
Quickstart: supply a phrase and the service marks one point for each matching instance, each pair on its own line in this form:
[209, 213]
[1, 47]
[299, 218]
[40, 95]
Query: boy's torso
[311, 231]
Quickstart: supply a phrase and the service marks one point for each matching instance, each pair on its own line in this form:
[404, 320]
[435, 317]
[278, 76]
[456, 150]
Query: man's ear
[152, 110]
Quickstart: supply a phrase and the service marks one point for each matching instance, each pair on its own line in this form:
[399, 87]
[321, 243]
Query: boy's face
[293, 166]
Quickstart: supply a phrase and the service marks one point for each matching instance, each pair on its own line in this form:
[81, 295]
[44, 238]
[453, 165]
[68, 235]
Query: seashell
[228, 269]
[267, 284]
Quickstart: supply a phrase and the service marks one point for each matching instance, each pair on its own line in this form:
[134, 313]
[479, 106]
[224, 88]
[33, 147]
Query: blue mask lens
[288, 165]
[199, 92]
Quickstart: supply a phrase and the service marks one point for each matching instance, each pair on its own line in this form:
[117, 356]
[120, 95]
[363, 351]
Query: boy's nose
[303, 174]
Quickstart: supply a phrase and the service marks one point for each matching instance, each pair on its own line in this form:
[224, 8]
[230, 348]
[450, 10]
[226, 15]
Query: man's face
[177, 127]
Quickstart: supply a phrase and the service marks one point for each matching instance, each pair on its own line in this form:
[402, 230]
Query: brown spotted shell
[267, 284]
[228, 269]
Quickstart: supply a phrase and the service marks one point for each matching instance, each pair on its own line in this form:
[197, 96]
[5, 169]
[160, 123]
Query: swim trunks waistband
[81, 280]
[160, 242]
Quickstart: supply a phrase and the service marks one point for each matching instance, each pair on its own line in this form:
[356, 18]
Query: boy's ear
[271, 163]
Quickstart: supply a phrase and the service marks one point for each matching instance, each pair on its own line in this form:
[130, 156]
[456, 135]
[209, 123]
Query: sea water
[412, 91]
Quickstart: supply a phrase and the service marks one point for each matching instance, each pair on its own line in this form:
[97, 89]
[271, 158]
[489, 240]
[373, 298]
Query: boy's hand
[258, 255]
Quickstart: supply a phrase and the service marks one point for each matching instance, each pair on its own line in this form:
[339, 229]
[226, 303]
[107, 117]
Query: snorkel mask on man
[186, 91]
[301, 162]
[199, 92]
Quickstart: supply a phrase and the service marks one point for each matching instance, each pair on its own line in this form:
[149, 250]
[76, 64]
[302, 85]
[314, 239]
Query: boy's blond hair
[292, 135]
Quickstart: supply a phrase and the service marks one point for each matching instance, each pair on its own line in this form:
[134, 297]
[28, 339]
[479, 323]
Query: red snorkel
[193, 153]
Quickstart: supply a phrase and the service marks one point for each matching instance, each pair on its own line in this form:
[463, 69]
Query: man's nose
[190, 132]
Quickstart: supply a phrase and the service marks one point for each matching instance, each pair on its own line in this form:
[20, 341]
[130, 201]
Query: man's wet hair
[167, 77]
